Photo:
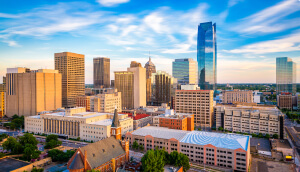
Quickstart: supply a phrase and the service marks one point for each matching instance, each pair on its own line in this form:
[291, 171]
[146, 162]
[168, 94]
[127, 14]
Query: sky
[250, 34]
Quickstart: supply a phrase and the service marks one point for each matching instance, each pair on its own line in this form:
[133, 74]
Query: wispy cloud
[272, 19]
[109, 3]
[285, 44]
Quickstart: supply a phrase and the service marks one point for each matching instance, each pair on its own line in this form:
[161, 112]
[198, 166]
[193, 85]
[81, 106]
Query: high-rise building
[132, 85]
[2, 104]
[197, 102]
[139, 84]
[71, 66]
[124, 84]
[207, 56]
[150, 68]
[3, 85]
[185, 71]
[285, 75]
[163, 87]
[101, 72]
[30, 92]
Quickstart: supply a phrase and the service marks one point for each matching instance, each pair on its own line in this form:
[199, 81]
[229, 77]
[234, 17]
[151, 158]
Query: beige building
[238, 96]
[71, 66]
[250, 119]
[124, 84]
[76, 122]
[132, 85]
[101, 72]
[150, 68]
[197, 102]
[211, 148]
[287, 101]
[30, 92]
[2, 104]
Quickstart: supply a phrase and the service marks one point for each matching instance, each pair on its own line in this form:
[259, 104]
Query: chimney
[85, 160]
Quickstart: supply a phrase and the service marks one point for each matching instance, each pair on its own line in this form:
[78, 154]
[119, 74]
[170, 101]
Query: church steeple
[116, 122]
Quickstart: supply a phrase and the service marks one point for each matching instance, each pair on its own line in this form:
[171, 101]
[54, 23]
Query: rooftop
[261, 143]
[277, 143]
[138, 116]
[160, 132]
[221, 140]
[10, 164]
[104, 122]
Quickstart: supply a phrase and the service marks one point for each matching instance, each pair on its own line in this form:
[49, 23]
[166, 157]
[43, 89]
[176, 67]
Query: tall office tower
[285, 75]
[207, 56]
[30, 92]
[139, 84]
[163, 86]
[2, 104]
[150, 68]
[101, 72]
[186, 71]
[197, 102]
[71, 66]
[132, 85]
[124, 84]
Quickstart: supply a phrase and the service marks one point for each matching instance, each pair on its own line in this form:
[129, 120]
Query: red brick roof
[138, 116]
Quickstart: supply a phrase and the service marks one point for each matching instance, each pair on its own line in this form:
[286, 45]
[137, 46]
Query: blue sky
[250, 34]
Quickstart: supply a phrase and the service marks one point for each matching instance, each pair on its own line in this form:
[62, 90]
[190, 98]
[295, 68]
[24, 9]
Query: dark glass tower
[285, 75]
[207, 56]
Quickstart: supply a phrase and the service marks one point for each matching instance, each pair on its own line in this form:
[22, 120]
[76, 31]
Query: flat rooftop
[261, 143]
[105, 122]
[221, 140]
[277, 143]
[10, 164]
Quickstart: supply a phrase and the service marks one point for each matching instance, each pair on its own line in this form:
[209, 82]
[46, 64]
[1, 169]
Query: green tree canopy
[28, 139]
[9, 144]
[58, 155]
[152, 161]
[30, 152]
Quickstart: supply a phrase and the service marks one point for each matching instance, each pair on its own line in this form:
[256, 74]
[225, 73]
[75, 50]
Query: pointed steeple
[116, 122]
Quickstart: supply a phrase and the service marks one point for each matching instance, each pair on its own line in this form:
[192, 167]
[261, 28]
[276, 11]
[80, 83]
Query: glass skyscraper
[185, 71]
[285, 75]
[207, 56]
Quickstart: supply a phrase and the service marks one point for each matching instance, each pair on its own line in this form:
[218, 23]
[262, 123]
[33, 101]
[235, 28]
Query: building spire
[115, 122]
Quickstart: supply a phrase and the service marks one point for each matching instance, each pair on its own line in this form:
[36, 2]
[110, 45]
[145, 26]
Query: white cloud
[271, 19]
[179, 48]
[109, 3]
[232, 3]
[5, 15]
[285, 44]
[11, 43]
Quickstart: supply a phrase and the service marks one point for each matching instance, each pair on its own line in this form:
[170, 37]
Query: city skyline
[248, 40]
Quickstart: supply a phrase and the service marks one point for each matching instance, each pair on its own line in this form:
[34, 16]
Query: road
[69, 143]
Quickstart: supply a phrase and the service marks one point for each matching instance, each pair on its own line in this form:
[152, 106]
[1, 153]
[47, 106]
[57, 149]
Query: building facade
[237, 96]
[218, 149]
[285, 75]
[150, 68]
[2, 104]
[207, 56]
[185, 71]
[163, 87]
[250, 119]
[101, 72]
[30, 92]
[173, 120]
[124, 82]
[197, 102]
[140, 120]
[287, 101]
[71, 67]
[76, 122]
[106, 155]
[132, 85]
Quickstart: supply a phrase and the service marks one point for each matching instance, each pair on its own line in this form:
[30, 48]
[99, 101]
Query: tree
[37, 169]
[28, 139]
[151, 161]
[30, 152]
[141, 147]
[267, 136]
[93, 170]
[2, 155]
[52, 137]
[15, 116]
[9, 144]
[275, 136]
[220, 129]
[260, 135]
[58, 155]
[135, 145]
[183, 160]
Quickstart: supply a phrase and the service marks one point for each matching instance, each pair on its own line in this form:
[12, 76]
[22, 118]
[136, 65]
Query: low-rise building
[218, 149]
[76, 122]
[287, 101]
[105, 155]
[104, 102]
[140, 120]
[237, 96]
[172, 120]
[282, 146]
[250, 119]
[150, 110]
[261, 146]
